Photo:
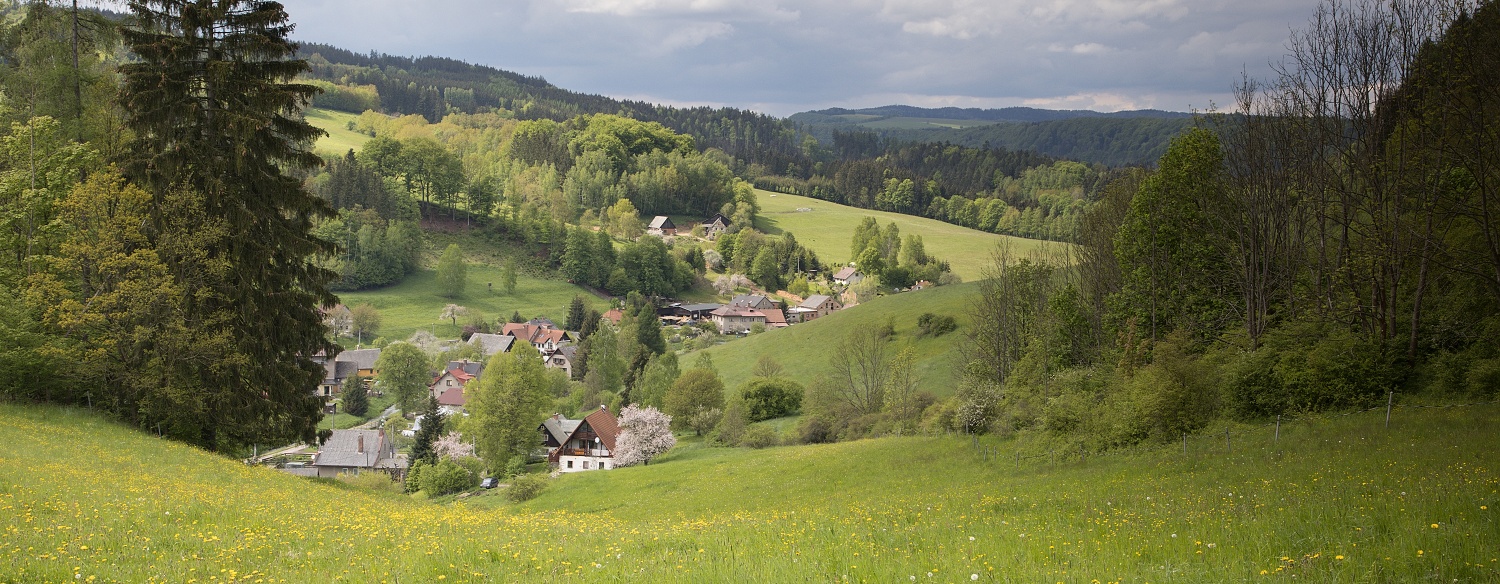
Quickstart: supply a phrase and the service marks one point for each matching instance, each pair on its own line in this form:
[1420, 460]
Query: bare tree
[860, 366]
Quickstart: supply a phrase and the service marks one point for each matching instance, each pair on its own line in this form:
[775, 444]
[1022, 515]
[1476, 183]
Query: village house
[563, 358]
[736, 319]
[817, 306]
[448, 388]
[339, 320]
[848, 276]
[755, 301]
[545, 336]
[580, 445]
[715, 225]
[352, 366]
[354, 451]
[661, 226]
[489, 344]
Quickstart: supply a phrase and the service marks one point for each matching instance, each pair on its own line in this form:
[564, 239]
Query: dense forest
[1113, 139]
[1334, 249]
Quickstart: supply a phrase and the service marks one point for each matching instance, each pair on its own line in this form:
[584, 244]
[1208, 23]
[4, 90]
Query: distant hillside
[1114, 139]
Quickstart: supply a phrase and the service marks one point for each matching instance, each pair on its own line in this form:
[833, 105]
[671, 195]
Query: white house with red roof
[448, 387]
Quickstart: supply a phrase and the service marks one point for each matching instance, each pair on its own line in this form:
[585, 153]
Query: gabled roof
[472, 368]
[489, 344]
[717, 218]
[559, 428]
[815, 301]
[364, 358]
[352, 448]
[542, 321]
[661, 222]
[614, 315]
[740, 311]
[846, 273]
[774, 317]
[751, 300]
[603, 424]
[535, 334]
[453, 396]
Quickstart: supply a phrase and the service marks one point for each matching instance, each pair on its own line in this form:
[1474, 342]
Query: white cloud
[694, 34]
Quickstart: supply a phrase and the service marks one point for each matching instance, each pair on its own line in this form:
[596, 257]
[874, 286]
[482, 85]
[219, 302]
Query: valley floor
[1336, 500]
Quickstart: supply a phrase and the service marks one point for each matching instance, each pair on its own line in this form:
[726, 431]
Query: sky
[783, 56]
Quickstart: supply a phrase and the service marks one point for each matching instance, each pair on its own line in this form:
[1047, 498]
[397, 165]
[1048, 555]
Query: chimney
[361, 443]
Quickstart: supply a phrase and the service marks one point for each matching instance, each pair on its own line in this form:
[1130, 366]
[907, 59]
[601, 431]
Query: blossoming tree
[645, 433]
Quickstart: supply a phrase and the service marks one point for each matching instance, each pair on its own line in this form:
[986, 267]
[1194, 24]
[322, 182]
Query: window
[570, 464]
[450, 383]
[585, 465]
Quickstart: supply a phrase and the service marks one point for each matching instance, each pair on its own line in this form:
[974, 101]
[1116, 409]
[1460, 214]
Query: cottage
[614, 316]
[661, 226]
[848, 276]
[489, 344]
[353, 451]
[563, 358]
[818, 306]
[347, 367]
[715, 225]
[590, 445]
[448, 388]
[339, 320]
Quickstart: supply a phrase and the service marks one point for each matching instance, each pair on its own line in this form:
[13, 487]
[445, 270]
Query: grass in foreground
[803, 349]
[1340, 501]
[828, 229]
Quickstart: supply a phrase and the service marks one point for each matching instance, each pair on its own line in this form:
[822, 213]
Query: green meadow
[803, 349]
[340, 138]
[828, 229]
[1334, 500]
[416, 302]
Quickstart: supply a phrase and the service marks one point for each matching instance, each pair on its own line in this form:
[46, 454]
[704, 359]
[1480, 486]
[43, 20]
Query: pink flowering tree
[452, 446]
[645, 433]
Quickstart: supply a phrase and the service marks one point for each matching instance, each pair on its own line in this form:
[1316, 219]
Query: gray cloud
[781, 56]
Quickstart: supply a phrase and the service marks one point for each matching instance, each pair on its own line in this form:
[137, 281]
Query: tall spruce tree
[215, 116]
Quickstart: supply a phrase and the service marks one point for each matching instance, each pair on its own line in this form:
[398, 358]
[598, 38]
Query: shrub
[447, 476]
[526, 487]
[771, 397]
[815, 430]
[760, 437]
[930, 324]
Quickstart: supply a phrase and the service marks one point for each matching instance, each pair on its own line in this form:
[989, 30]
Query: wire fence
[1198, 444]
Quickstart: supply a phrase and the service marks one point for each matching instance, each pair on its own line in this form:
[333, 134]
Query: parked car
[489, 483]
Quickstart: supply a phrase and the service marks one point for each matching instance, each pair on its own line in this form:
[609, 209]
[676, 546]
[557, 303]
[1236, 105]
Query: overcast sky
[784, 56]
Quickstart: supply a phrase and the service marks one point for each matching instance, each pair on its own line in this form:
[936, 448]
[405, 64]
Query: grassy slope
[415, 303]
[829, 228]
[804, 349]
[340, 138]
[1333, 501]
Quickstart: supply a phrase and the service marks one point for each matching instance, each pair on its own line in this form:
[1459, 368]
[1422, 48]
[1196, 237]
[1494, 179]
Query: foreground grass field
[803, 349]
[828, 229]
[84, 500]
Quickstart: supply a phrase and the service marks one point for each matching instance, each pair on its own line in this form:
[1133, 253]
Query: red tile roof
[454, 396]
[605, 425]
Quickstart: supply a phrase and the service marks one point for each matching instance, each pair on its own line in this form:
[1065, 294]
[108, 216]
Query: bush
[771, 397]
[930, 324]
[447, 477]
[815, 430]
[760, 437]
[526, 487]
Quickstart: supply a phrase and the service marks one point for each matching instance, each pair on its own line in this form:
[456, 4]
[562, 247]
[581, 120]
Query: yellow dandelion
[1338, 557]
[1434, 526]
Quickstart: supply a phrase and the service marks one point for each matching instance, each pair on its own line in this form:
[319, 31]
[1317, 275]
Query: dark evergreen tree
[431, 430]
[214, 112]
[576, 313]
[356, 401]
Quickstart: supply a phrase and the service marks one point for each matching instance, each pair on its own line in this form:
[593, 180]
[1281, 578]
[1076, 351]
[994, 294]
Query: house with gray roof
[489, 344]
[355, 451]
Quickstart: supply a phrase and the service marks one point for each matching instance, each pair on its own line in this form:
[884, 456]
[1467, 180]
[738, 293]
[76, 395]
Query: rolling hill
[828, 229]
[86, 500]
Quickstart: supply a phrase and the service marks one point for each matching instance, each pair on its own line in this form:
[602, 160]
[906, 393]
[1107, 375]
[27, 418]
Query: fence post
[1227, 449]
[1278, 427]
[1391, 401]
[1018, 458]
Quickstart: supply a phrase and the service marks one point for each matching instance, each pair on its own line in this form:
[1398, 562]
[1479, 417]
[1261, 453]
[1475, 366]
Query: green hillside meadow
[803, 349]
[1340, 500]
[828, 228]
[340, 138]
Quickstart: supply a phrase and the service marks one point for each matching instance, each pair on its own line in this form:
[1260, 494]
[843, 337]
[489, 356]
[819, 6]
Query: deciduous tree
[645, 433]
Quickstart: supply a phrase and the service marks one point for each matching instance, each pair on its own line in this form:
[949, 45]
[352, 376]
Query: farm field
[803, 349]
[1339, 500]
[340, 138]
[828, 229]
